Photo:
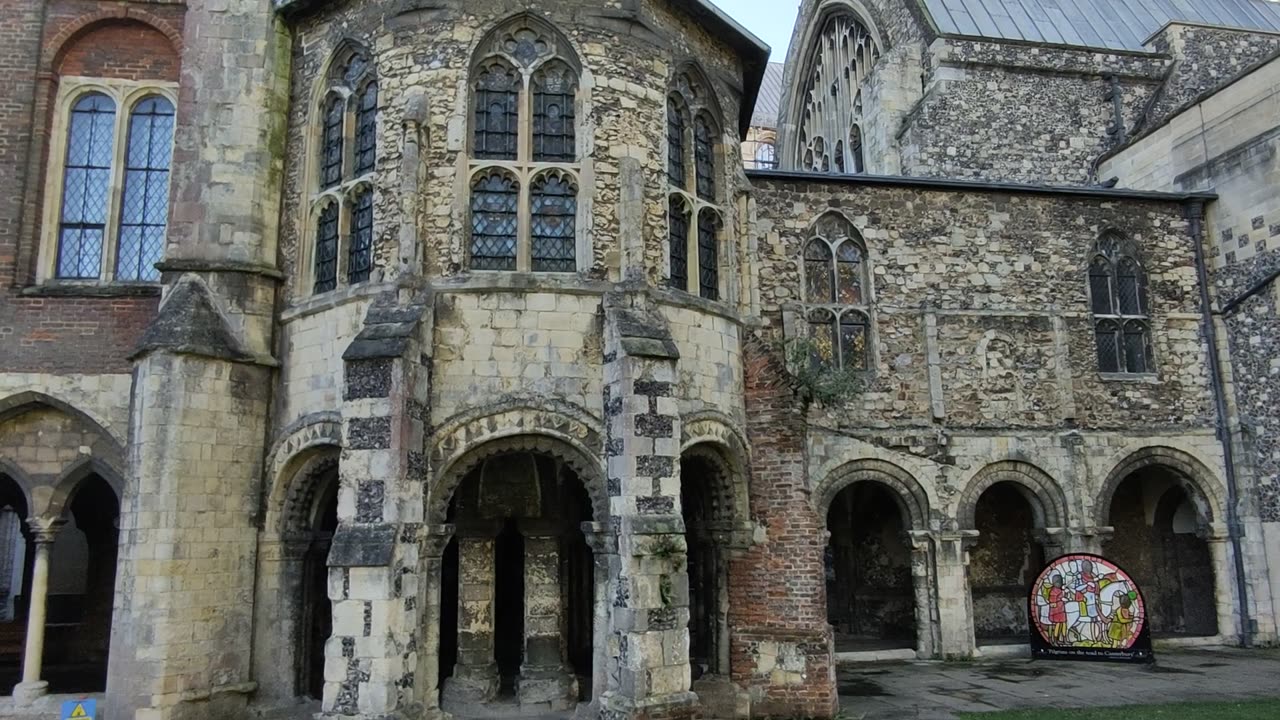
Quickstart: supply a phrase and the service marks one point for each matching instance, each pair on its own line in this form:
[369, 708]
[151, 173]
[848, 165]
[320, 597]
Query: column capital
[435, 539]
[45, 530]
[600, 538]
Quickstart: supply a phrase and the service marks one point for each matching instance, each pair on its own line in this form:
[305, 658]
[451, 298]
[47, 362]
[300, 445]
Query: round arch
[1195, 478]
[907, 492]
[67, 36]
[1047, 500]
[302, 445]
[712, 436]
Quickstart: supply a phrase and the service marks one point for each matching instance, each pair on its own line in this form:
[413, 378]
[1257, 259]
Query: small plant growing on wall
[816, 380]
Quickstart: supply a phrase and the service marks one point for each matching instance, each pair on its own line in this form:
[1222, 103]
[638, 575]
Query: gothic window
[85, 195]
[524, 152]
[830, 137]
[145, 209]
[835, 294]
[695, 219]
[342, 193]
[1121, 312]
[765, 157]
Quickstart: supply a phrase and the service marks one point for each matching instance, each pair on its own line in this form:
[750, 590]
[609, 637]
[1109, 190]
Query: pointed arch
[694, 85]
[72, 479]
[526, 40]
[20, 481]
[24, 402]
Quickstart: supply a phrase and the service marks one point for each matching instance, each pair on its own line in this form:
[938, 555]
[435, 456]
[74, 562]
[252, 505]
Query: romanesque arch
[1042, 493]
[1196, 479]
[300, 446]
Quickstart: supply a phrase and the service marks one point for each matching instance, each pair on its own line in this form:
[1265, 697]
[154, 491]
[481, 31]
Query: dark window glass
[85, 186]
[497, 113]
[704, 158]
[1109, 347]
[853, 341]
[839, 158]
[819, 287]
[708, 255]
[855, 150]
[367, 129]
[553, 118]
[555, 205]
[1100, 286]
[145, 208]
[1130, 286]
[327, 249]
[678, 242]
[676, 171]
[331, 152]
[360, 251]
[495, 198]
[849, 273]
[1137, 354]
[822, 338]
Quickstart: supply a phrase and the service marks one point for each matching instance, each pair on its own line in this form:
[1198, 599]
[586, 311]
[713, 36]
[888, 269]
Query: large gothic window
[695, 220]
[346, 156]
[524, 152]
[836, 294]
[1121, 311]
[830, 134]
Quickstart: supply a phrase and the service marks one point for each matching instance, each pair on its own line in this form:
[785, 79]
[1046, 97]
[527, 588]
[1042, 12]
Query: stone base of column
[680, 706]
[721, 698]
[470, 684]
[554, 688]
[26, 694]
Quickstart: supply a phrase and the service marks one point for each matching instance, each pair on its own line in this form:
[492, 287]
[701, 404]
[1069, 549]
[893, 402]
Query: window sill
[72, 288]
[687, 300]
[313, 304]
[1148, 378]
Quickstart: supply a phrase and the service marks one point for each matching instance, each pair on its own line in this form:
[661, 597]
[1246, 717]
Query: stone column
[1088, 539]
[1055, 542]
[475, 676]
[955, 602]
[43, 532]
[604, 665]
[649, 624]
[927, 640]
[545, 680]
[1224, 589]
[437, 538]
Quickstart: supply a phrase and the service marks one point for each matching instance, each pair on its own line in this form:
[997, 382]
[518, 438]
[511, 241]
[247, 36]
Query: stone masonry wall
[1204, 59]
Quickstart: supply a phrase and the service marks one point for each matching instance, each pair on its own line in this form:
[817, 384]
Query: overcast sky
[770, 20]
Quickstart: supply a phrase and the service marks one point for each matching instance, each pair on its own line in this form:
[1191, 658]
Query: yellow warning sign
[79, 712]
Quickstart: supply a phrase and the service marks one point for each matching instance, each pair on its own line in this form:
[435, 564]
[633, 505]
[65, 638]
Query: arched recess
[1195, 478]
[910, 496]
[57, 46]
[16, 405]
[300, 444]
[505, 38]
[71, 479]
[15, 551]
[1042, 493]
[714, 432]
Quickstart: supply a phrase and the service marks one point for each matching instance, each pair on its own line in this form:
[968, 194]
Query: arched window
[830, 137]
[695, 220]
[1121, 312]
[86, 193]
[145, 208]
[524, 116]
[766, 157]
[835, 291]
[342, 200]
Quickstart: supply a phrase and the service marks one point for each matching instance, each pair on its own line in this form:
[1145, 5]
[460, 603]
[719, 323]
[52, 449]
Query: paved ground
[936, 691]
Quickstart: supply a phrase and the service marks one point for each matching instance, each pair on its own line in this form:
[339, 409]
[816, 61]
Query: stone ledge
[75, 289]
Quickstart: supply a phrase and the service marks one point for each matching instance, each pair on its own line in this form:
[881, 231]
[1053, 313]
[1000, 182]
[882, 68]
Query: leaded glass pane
[709, 255]
[367, 129]
[1109, 347]
[704, 158]
[327, 249]
[497, 113]
[553, 114]
[145, 207]
[819, 287]
[822, 339]
[555, 205]
[495, 199]
[1136, 348]
[676, 171]
[331, 146]
[855, 150]
[1100, 287]
[678, 243]
[87, 177]
[360, 251]
[1130, 286]
[849, 273]
[853, 341]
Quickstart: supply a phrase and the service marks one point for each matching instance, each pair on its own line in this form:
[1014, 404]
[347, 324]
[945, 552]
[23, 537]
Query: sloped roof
[769, 102]
[1113, 24]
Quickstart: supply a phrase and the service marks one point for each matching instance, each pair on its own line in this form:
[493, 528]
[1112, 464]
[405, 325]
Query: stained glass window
[497, 110]
[819, 287]
[676, 171]
[331, 147]
[849, 273]
[86, 183]
[360, 251]
[553, 114]
[327, 249]
[145, 208]
[678, 243]
[1118, 298]
[366, 129]
[822, 338]
[853, 340]
[555, 205]
[704, 158]
[708, 254]
[495, 200]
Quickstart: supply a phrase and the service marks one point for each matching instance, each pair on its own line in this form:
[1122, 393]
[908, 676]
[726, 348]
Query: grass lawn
[1251, 710]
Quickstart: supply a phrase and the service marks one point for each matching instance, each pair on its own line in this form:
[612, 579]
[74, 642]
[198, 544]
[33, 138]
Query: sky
[770, 20]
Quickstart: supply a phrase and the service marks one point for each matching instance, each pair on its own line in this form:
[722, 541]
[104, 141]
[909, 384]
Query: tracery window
[108, 203]
[346, 155]
[836, 294]
[1121, 311]
[524, 152]
[830, 135]
[695, 219]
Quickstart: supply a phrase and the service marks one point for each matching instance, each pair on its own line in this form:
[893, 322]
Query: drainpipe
[1195, 215]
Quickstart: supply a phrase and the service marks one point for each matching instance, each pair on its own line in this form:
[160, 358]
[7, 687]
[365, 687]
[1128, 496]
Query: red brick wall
[121, 49]
[777, 591]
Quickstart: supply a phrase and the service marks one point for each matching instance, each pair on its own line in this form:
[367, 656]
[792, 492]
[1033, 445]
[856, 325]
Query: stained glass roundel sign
[1084, 607]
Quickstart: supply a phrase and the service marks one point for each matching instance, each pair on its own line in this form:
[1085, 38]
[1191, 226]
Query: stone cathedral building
[424, 358]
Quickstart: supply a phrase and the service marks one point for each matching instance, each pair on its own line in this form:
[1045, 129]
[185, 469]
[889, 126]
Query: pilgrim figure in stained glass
[1085, 602]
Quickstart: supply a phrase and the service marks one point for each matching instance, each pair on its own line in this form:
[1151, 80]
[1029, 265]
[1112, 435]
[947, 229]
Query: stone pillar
[604, 665]
[649, 624]
[475, 676]
[1224, 588]
[545, 679]
[1054, 541]
[1088, 539]
[437, 538]
[955, 602]
[44, 532]
[927, 640]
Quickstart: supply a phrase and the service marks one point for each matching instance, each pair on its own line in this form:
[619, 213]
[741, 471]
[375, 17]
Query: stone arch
[15, 405]
[698, 80]
[565, 432]
[297, 516]
[20, 480]
[71, 479]
[1043, 493]
[487, 46]
[1199, 482]
[297, 446]
[66, 37]
[912, 500]
[712, 435]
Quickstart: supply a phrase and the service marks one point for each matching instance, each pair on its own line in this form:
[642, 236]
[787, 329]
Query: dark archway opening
[1159, 541]
[870, 595]
[508, 597]
[707, 607]
[1003, 564]
[317, 610]
[15, 551]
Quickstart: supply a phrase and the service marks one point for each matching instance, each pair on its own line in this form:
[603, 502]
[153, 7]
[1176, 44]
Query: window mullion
[524, 224]
[115, 193]
[693, 263]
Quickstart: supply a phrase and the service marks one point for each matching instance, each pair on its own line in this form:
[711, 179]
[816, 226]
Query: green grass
[1253, 710]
